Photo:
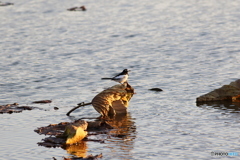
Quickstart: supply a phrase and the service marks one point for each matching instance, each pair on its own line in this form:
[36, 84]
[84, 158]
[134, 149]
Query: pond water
[187, 48]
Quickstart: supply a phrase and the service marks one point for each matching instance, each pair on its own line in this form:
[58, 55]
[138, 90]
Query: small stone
[6, 3]
[43, 101]
[82, 8]
[156, 89]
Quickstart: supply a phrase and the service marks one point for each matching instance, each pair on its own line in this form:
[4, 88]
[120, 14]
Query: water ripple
[185, 48]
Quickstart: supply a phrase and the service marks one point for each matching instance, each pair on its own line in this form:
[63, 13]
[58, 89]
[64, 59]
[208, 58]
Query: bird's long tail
[106, 78]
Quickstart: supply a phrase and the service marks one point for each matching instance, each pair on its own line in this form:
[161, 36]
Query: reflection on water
[124, 126]
[122, 138]
[184, 47]
[227, 105]
[79, 150]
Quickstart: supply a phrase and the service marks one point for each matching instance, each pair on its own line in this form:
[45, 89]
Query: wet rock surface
[90, 157]
[43, 101]
[156, 89]
[14, 108]
[58, 137]
[113, 100]
[97, 131]
[82, 8]
[6, 3]
[229, 92]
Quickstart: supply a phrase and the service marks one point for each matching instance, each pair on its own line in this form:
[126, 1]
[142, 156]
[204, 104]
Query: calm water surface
[186, 47]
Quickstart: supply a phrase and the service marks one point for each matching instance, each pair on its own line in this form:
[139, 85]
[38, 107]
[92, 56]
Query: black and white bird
[121, 77]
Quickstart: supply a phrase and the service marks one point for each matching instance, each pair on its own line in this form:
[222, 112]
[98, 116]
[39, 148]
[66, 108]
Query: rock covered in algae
[113, 100]
[229, 92]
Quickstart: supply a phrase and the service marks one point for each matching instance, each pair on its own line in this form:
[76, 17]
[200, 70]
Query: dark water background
[186, 47]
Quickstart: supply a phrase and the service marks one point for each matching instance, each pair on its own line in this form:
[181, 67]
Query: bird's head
[126, 71]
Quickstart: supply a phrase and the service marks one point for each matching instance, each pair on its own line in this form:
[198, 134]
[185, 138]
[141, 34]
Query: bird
[121, 77]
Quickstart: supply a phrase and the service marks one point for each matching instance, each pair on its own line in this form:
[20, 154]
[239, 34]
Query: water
[187, 48]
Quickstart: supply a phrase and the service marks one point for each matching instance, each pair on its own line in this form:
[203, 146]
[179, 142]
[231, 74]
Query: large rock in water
[113, 100]
[229, 92]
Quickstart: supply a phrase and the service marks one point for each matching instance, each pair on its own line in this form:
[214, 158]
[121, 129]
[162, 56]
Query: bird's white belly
[121, 78]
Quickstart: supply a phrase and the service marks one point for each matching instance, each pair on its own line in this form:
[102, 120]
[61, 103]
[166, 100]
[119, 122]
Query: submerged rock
[156, 89]
[43, 101]
[82, 8]
[121, 127]
[229, 92]
[6, 3]
[14, 108]
[89, 157]
[68, 133]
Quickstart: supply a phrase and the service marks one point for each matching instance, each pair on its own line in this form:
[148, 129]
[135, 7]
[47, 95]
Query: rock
[229, 92]
[53, 129]
[5, 3]
[98, 125]
[89, 157]
[14, 108]
[235, 84]
[113, 100]
[68, 133]
[121, 126]
[156, 89]
[82, 8]
[43, 101]
[75, 132]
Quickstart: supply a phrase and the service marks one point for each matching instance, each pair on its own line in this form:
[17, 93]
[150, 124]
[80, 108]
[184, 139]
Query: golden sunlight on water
[186, 48]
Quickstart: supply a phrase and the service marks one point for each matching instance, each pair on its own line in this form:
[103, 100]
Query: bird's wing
[118, 77]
